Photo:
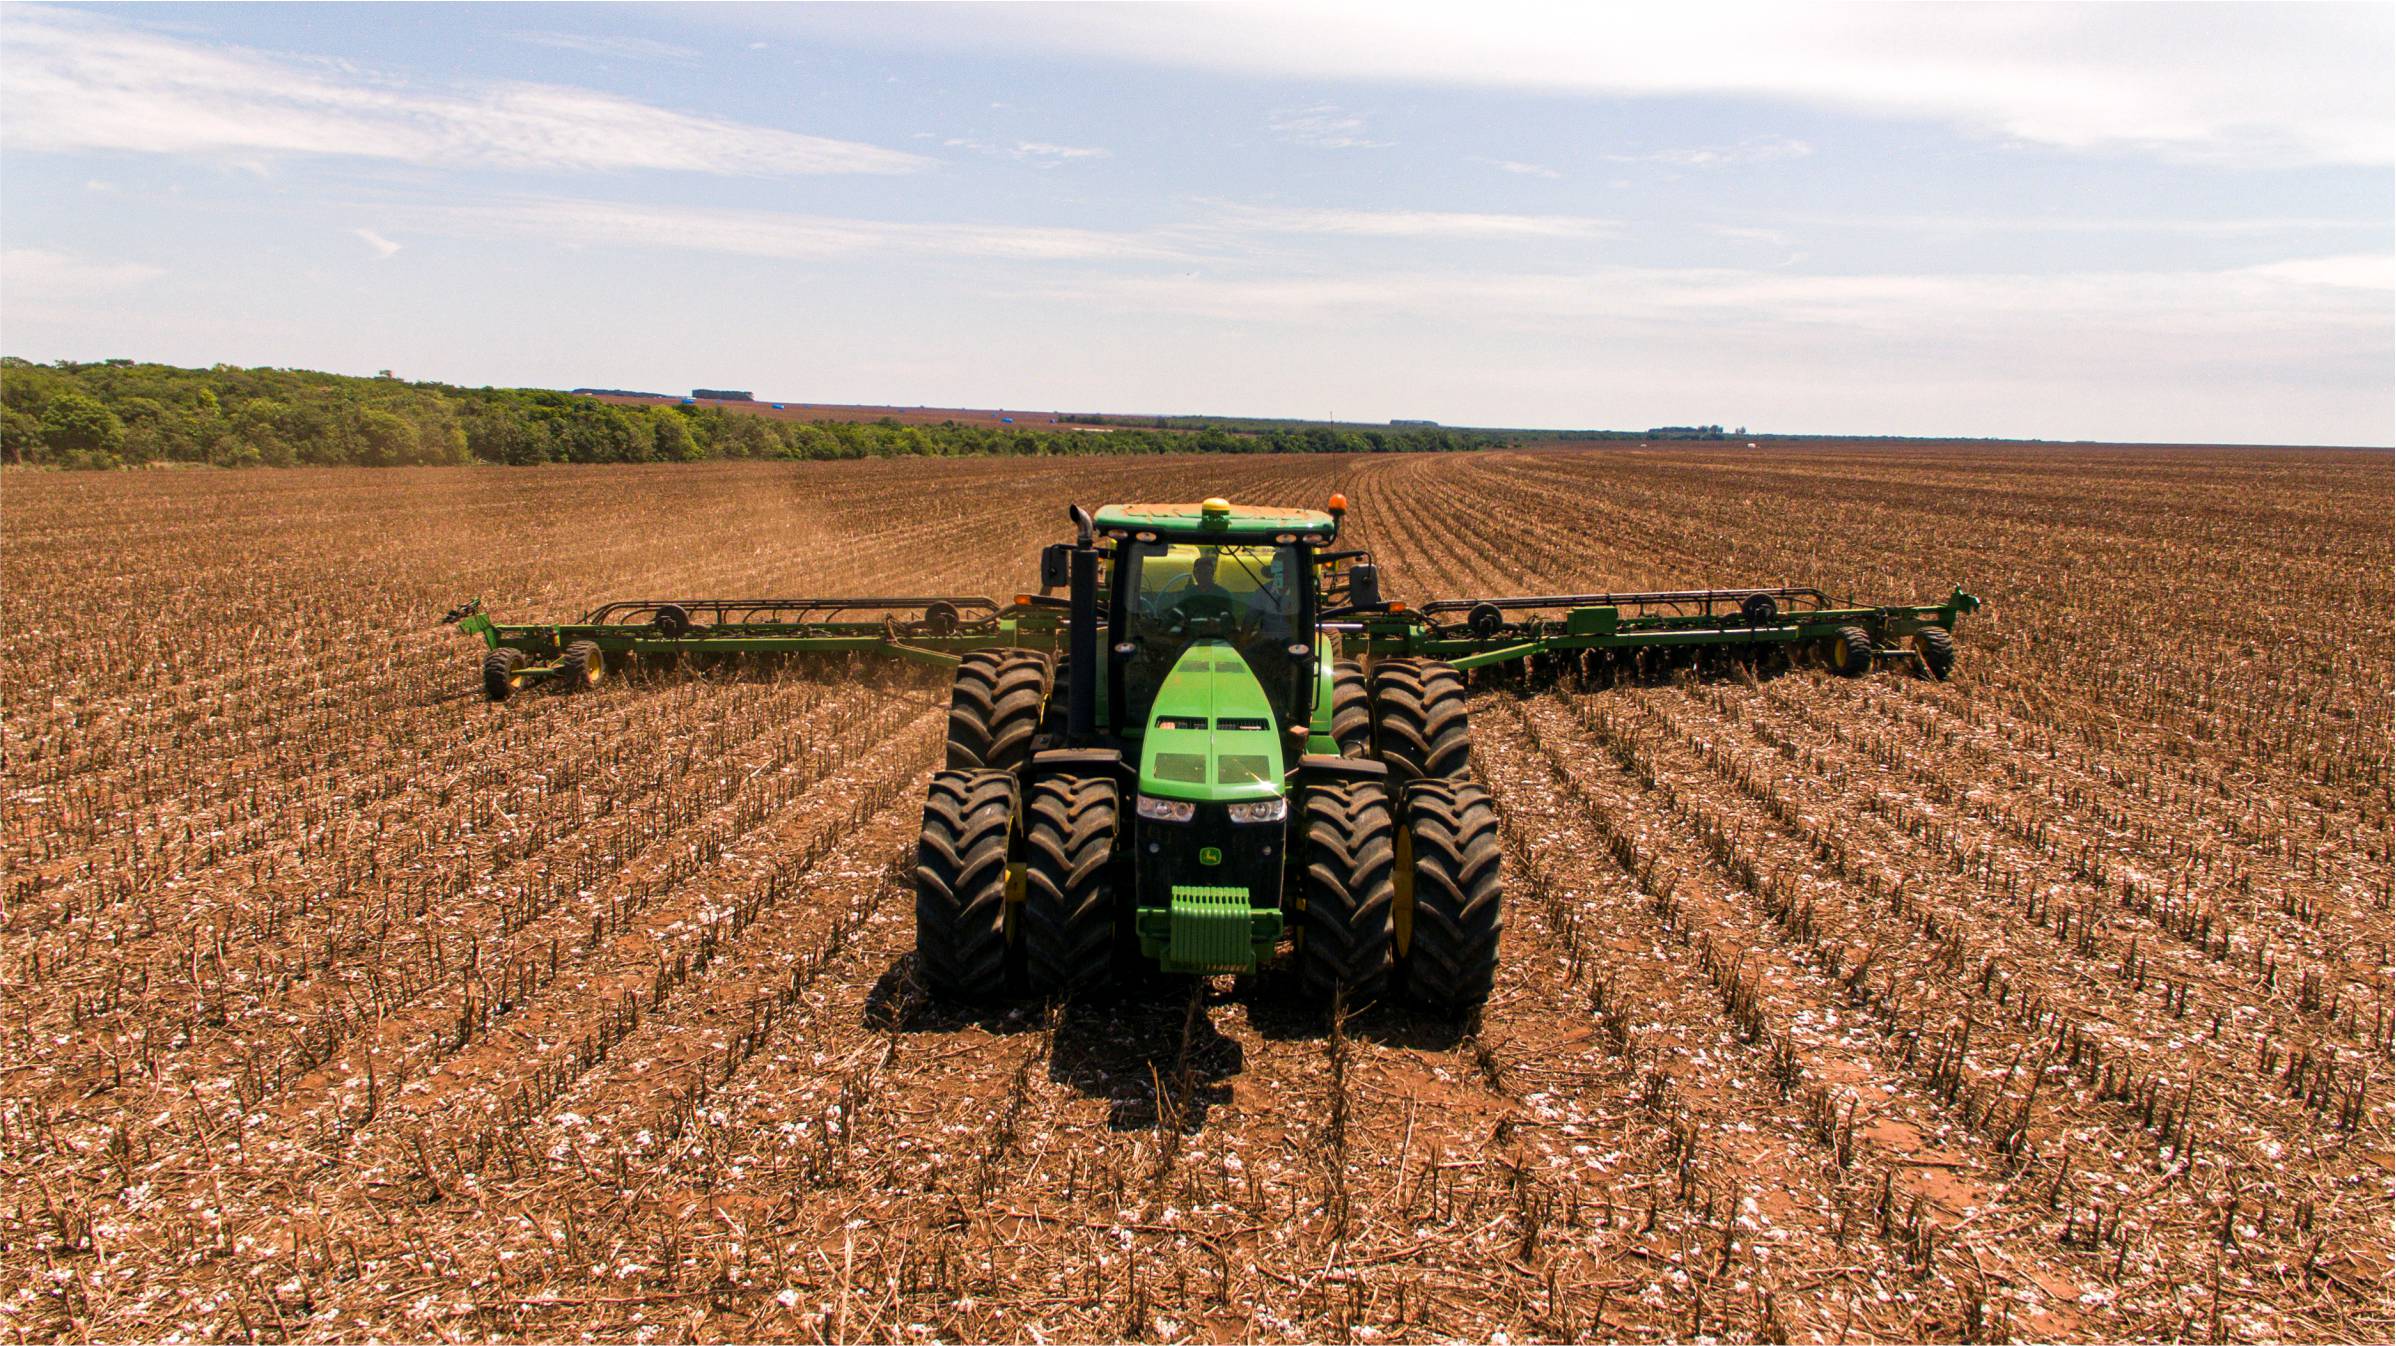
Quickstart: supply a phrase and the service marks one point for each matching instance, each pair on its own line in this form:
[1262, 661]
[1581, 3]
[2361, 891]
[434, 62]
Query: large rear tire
[1850, 652]
[994, 709]
[1420, 725]
[1069, 915]
[961, 884]
[1937, 647]
[1351, 710]
[1449, 900]
[1344, 933]
[500, 679]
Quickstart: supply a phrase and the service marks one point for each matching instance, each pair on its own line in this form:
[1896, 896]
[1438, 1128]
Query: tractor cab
[1211, 608]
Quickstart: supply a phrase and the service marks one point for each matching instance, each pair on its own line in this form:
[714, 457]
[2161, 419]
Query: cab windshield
[1187, 591]
[1175, 594]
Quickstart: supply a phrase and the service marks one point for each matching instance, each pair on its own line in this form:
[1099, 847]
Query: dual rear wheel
[1401, 898]
[987, 924]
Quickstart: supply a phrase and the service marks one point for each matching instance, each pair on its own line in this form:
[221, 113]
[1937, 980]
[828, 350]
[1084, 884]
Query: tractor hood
[1211, 737]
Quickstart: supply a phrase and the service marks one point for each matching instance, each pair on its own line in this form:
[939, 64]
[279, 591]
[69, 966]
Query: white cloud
[77, 82]
[39, 273]
[2253, 84]
[2329, 297]
[615, 48]
[1039, 153]
[759, 233]
[1323, 126]
[2093, 224]
[383, 247]
[1404, 223]
[1755, 150]
[2374, 272]
[1744, 233]
[1042, 150]
[1526, 170]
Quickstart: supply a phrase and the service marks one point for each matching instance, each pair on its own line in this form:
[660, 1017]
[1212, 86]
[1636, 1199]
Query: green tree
[384, 439]
[675, 443]
[76, 425]
[20, 436]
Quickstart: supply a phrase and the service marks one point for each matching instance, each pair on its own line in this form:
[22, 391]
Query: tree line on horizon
[121, 413]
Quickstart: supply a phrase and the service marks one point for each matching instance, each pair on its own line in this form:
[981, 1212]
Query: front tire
[1069, 914]
[961, 884]
[1344, 934]
[1449, 896]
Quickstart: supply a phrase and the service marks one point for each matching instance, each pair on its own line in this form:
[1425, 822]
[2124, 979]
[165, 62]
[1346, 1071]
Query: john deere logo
[1210, 855]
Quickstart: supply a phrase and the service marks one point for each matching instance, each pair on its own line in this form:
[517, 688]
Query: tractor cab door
[1257, 597]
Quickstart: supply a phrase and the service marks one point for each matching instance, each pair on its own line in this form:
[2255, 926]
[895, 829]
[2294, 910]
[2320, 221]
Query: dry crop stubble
[2052, 1001]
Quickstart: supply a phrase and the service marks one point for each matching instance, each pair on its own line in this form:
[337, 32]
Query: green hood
[1211, 736]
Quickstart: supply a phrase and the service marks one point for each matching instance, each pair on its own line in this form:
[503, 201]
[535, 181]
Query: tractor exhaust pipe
[1081, 631]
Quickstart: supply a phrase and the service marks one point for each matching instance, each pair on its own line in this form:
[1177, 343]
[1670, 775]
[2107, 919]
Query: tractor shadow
[1153, 1053]
[898, 1003]
[1389, 1022]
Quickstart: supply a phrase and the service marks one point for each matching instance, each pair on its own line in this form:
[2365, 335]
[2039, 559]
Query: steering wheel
[1213, 609]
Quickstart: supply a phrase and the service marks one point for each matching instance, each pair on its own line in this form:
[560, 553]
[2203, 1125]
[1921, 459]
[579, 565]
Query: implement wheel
[961, 884]
[1937, 646]
[1420, 726]
[994, 709]
[1449, 916]
[580, 668]
[1850, 652]
[1351, 710]
[500, 679]
[1068, 920]
[1344, 933]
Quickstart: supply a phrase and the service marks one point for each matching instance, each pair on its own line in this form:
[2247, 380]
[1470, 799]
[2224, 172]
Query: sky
[2143, 222]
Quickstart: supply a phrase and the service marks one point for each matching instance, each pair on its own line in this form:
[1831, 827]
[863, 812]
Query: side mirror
[1364, 585]
[1056, 565]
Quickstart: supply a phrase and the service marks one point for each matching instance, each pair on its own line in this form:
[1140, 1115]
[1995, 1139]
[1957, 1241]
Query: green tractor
[1220, 792]
[1221, 750]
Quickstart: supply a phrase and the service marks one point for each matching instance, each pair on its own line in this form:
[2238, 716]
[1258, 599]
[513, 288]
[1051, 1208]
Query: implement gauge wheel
[1850, 652]
[1344, 934]
[994, 709]
[1068, 919]
[580, 668]
[1351, 710]
[1420, 726]
[961, 884]
[1937, 646]
[500, 679]
[1449, 917]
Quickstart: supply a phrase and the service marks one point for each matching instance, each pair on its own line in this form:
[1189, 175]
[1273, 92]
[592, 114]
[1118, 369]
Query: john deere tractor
[1219, 750]
[1220, 791]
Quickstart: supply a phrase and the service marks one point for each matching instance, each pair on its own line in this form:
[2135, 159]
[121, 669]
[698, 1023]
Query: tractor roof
[1217, 518]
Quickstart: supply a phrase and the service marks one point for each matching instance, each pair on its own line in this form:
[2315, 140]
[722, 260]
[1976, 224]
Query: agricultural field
[2048, 1002]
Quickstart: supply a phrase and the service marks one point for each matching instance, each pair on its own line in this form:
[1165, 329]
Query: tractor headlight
[1167, 810]
[1262, 811]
